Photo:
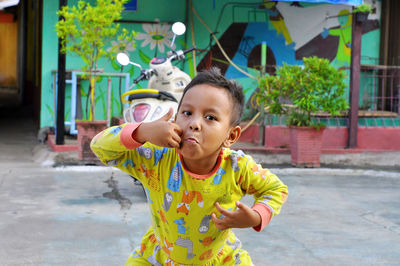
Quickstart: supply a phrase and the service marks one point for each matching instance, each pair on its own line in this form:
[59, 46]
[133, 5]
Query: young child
[193, 180]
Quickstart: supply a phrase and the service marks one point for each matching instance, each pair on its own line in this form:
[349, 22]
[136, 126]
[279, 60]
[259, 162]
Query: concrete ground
[91, 215]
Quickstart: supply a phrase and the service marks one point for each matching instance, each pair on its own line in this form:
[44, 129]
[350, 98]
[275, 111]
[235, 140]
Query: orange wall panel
[8, 54]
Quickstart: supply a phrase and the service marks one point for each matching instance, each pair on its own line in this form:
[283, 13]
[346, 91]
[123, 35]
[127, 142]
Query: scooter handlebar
[180, 54]
[145, 74]
[189, 50]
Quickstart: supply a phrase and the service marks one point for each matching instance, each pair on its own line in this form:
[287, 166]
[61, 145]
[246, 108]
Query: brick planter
[86, 131]
[305, 146]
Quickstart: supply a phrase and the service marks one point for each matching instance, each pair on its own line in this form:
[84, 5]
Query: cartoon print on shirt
[168, 247]
[207, 241]
[234, 245]
[167, 201]
[138, 251]
[227, 258]
[159, 154]
[239, 182]
[115, 130]
[168, 262]
[113, 162]
[162, 216]
[256, 169]
[205, 224]
[238, 153]
[206, 255]
[152, 259]
[188, 244]
[250, 189]
[237, 258]
[217, 177]
[265, 202]
[144, 171]
[187, 198]
[181, 228]
[128, 162]
[145, 152]
[153, 179]
[264, 173]
[175, 179]
[234, 162]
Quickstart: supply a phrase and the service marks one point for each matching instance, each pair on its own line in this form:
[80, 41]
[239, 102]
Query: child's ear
[233, 136]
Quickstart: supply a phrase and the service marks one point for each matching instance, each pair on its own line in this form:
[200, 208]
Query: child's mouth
[192, 140]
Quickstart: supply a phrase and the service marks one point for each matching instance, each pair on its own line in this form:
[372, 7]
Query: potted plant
[299, 92]
[88, 31]
[362, 11]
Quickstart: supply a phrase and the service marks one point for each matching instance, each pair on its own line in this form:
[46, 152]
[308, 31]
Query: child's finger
[240, 205]
[176, 137]
[177, 128]
[173, 144]
[223, 211]
[167, 116]
[214, 218]
[218, 222]
[243, 206]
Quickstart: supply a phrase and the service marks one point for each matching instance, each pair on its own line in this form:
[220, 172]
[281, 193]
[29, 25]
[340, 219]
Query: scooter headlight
[140, 112]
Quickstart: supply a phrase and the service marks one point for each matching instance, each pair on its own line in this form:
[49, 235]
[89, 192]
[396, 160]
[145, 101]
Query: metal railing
[379, 99]
[380, 89]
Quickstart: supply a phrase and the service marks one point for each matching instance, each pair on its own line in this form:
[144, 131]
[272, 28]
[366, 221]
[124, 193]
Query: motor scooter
[165, 86]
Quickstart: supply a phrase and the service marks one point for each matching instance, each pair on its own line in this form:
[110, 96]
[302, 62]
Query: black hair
[214, 78]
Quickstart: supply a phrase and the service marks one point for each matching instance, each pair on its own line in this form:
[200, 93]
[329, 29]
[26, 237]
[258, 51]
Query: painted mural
[291, 31]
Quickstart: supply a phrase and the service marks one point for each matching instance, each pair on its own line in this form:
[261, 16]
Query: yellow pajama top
[182, 202]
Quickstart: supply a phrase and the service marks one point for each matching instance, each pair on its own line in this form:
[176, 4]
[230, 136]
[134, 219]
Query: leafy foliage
[301, 91]
[363, 8]
[87, 30]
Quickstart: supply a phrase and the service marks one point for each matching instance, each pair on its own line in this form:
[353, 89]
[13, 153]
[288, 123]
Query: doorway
[20, 59]
[9, 87]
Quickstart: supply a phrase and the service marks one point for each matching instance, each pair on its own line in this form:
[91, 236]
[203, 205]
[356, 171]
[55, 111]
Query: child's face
[205, 119]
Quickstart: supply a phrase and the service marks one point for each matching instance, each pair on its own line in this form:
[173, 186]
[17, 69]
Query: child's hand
[160, 132]
[243, 217]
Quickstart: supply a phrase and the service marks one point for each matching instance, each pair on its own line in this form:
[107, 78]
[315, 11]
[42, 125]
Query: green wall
[290, 32]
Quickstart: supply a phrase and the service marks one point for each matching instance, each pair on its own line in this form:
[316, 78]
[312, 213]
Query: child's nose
[195, 124]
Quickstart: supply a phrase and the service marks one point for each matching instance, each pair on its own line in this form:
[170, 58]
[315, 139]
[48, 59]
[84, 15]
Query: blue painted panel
[131, 5]
[260, 32]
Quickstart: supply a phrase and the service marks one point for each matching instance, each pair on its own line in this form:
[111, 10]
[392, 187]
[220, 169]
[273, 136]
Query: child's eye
[210, 117]
[186, 113]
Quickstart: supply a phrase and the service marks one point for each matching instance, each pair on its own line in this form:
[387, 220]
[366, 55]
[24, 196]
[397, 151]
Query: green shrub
[363, 8]
[300, 91]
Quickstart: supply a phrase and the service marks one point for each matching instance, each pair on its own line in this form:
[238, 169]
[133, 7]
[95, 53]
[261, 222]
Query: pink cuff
[265, 214]
[127, 136]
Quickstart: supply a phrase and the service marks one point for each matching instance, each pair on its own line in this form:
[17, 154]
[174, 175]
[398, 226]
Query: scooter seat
[161, 95]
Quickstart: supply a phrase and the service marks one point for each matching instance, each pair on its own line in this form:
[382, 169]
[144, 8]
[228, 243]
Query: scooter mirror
[123, 59]
[178, 28]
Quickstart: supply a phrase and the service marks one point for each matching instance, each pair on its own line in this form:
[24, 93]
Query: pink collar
[206, 175]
